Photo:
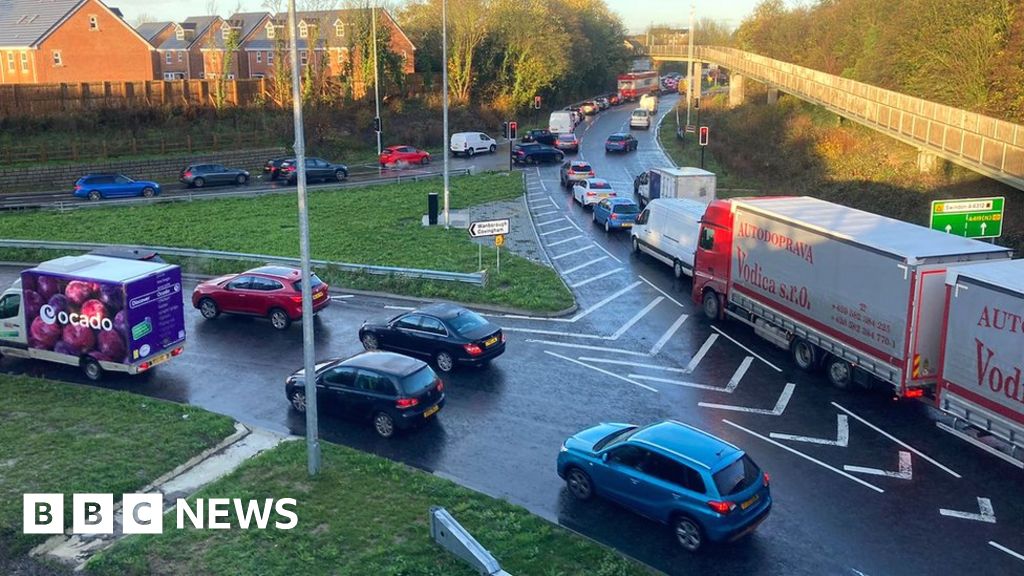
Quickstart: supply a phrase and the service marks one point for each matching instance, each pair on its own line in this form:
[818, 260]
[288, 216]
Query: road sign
[485, 228]
[703, 138]
[970, 217]
[690, 128]
[499, 240]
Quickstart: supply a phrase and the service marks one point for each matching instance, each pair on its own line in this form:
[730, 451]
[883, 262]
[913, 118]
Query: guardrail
[475, 278]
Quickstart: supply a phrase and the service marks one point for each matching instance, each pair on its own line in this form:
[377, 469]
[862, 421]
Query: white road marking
[343, 296]
[898, 441]
[733, 383]
[749, 351]
[985, 512]
[601, 370]
[700, 354]
[905, 472]
[679, 383]
[668, 334]
[806, 457]
[665, 294]
[632, 364]
[636, 318]
[390, 307]
[780, 405]
[548, 213]
[595, 278]
[999, 546]
[574, 225]
[586, 347]
[608, 253]
[842, 435]
[576, 251]
[550, 221]
[584, 265]
[555, 231]
[552, 333]
[576, 237]
[542, 184]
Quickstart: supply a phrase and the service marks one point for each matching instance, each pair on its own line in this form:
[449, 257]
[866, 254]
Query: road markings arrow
[905, 472]
[985, 512]
[779, 408]
[842, 434]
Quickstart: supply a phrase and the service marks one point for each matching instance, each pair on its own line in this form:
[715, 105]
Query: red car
[274, 292]
[404, 155]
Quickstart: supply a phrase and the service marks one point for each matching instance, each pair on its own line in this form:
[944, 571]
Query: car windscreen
[626, 209]
[418, 381]
[567, 138]
[616, 138]
[314, 282]
[615, 438]
[737, 476]
[639, 113]
[597, 185]
[582, 168]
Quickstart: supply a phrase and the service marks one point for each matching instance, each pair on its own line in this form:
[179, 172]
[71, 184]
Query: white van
[561, 122]
[667, 229]
[649, 102]
[469, 143]
[640, 118]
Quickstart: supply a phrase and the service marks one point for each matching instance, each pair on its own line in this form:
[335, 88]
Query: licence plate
[627, 225]
[431, 411]
[158, 359]
[318, 295]
[750, 502]
[491, 341]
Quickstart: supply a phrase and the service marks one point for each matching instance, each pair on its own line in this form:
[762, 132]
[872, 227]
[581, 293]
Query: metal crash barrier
[447, 532]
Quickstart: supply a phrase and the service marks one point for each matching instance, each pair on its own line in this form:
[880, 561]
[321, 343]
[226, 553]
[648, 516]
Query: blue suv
[703, 487]
[113, 185]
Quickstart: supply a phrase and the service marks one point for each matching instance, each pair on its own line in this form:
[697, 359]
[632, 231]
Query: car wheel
[241, 180]
[425, 160]
[92, 369]
[95, 195]
[470, 152]
[384, 424]
[607, 227]
[298, 400]
[444, 361]
[677, 269]
[340, 175]
[530, 160]
[198, 182]
[493, 148]
[636, 247]
[148, 192]
[579, 484]
[279, 319]
[370, 342]
[559, 157]
[805, 354]
[688, 533]
[208, 308]
[712, 307]
[839, 373]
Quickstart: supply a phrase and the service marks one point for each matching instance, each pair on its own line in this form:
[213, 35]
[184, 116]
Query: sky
[635, 14]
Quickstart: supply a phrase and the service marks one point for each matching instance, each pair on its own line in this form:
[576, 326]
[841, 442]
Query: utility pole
[689, 75]
[312, 441]
[444, 102]
[376, 76]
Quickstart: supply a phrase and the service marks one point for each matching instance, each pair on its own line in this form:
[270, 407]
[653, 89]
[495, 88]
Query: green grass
[66, 438]
[375, 225]
[361, 515]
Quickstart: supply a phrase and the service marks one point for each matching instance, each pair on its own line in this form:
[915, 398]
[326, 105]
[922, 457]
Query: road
[638, 351]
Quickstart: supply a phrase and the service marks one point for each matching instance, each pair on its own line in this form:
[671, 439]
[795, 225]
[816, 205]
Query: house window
[270, 57]
[405, 56]
[270, 30]
[304, 57]
[259, 57]
[257, 76]
[225, 31]
[303, 30]
[10, 61]
[339, 29]
[181, 56]
[168, 75]
[179, 32]
[167, 57]
[57, 61]
[231, 76]
[24, 61]
[94, 23]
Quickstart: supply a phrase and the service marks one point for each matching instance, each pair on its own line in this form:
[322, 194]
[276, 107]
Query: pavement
[863, 484]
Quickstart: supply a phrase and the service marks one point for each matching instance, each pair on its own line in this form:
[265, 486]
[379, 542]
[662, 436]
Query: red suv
[271, 291]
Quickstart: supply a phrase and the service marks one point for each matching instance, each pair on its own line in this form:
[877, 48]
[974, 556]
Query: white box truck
[858, 294]
[685, 182]
[95, 312]
[667, 230]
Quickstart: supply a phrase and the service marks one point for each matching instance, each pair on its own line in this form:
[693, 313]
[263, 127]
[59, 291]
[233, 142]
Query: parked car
[640, 119]
[541, 136]
[272, 168]
[621, 142]
[534, 153]
[396, 392]
[703, 487]
[316, 169]
[589, 108]
[616, 213]
[99, 185]
[471, 143]
[591, 191]
[274, 292]
[575, 171]
[451, 335]
[568, 142]
[199, 175]
[602, 103]
[403, 155]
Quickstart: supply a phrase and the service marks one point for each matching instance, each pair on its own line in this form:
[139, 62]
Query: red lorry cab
[711, 264]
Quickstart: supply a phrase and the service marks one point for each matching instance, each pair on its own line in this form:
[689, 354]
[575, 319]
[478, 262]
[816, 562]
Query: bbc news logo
[144, 513]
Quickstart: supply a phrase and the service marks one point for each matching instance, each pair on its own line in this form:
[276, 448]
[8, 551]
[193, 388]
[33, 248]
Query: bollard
[432, 209]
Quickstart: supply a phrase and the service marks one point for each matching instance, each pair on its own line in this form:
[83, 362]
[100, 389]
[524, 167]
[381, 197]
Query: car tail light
[614, 216]
[591, 194]
[403, 403]
[915, 392]
[78, 186]
[721, 507]
[766, 479]
[473, 349]
[177, 351]
[440, 385]
[144, 366]
[187, 174]
[297, 299]
[502, 337]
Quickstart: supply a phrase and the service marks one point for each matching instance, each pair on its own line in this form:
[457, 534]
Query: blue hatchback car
[101, 185]
[703, 487]
[616, 213]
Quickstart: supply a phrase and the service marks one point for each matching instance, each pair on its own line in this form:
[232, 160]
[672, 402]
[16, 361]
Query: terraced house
[69, 41]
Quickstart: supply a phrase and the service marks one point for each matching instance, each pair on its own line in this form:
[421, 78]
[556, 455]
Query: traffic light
[512, 128]
[702, 139]
[536, 102]
[376, 124]
[504, 128]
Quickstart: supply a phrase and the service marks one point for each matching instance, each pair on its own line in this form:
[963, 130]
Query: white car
[591, 191]
[640, 119]
[470, 143]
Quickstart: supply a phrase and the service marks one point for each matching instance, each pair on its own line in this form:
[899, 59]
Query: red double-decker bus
[635, 84]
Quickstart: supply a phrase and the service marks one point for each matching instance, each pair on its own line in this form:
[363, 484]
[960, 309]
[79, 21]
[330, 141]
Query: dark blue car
[704, 488]
[113, 185]
[621, 142]
[616, 213]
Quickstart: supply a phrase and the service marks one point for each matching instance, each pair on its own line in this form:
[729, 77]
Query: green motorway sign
[970, 217]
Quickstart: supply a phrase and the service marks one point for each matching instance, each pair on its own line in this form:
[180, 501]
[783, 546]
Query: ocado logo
[51, 316]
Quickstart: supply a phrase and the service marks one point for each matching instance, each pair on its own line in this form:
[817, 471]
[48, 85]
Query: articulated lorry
[686, 182]
[95, 312]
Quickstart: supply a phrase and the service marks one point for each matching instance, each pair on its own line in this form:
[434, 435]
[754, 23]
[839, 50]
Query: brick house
[242, 25]
[69, 41]
[156, 33]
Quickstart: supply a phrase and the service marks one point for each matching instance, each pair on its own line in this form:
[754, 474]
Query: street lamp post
[376, 76]
[312, 441]
[444, 102]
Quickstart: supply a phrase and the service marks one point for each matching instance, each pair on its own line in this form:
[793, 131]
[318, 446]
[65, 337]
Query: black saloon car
[535, 153]
[451, 335]
[540, 136]
[199, 175]
[396, 392]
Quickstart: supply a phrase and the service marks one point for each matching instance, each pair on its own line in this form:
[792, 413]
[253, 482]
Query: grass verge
[361, 515]
[64, 438]
[377, 225]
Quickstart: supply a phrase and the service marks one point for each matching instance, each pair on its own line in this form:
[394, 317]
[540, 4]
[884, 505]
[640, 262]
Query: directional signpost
[485, 228]
[969, 217]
